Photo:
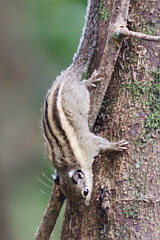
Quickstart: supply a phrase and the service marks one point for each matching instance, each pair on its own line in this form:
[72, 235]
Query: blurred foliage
[58, 25]
[39, 40]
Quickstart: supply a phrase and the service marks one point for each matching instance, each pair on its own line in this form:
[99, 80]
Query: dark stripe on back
[56, 119]
[48, 129]
[47, 137]
[52, 142]
[45, 120]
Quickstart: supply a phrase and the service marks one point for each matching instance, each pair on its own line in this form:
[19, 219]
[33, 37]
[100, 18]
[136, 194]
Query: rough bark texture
[126, 198]
[51, 214]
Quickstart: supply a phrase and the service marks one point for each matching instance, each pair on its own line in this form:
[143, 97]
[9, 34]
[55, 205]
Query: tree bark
[126, 197]
[51, 214]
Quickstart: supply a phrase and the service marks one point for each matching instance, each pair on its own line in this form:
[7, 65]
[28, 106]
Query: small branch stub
[124, 32]
[51, 214]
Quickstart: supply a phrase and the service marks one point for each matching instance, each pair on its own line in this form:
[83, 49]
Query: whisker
[40, 180]
[44, 175]
[44, 192]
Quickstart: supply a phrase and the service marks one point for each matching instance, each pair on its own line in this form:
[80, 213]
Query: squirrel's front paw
[121, 145]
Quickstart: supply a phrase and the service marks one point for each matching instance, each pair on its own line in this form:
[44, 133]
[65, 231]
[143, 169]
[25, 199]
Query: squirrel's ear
[56, 179]
[76, 176]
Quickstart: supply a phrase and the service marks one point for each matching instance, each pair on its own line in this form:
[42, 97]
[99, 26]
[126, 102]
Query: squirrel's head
[76, 185]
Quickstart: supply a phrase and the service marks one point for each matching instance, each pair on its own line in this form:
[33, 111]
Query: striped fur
[57, 126]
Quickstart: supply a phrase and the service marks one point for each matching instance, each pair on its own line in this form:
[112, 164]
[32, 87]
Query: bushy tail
[89, 34]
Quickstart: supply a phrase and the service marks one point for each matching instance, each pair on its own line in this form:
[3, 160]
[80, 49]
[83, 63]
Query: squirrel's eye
[85, 192]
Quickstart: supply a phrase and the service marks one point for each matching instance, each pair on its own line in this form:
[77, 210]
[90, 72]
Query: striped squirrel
[70, 144]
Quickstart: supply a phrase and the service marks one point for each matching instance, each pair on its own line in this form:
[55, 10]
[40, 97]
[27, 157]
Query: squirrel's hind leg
[92, 80]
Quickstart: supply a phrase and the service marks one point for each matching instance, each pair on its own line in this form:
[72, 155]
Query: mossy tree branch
[51, 214]
[124, 32]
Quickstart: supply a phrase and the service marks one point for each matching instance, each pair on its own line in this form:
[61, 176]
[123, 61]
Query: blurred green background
[38, 40]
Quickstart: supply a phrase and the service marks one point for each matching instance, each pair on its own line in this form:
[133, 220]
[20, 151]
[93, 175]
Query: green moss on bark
[149, 97]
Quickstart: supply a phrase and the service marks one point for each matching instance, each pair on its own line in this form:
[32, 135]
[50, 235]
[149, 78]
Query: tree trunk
[126, 197]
